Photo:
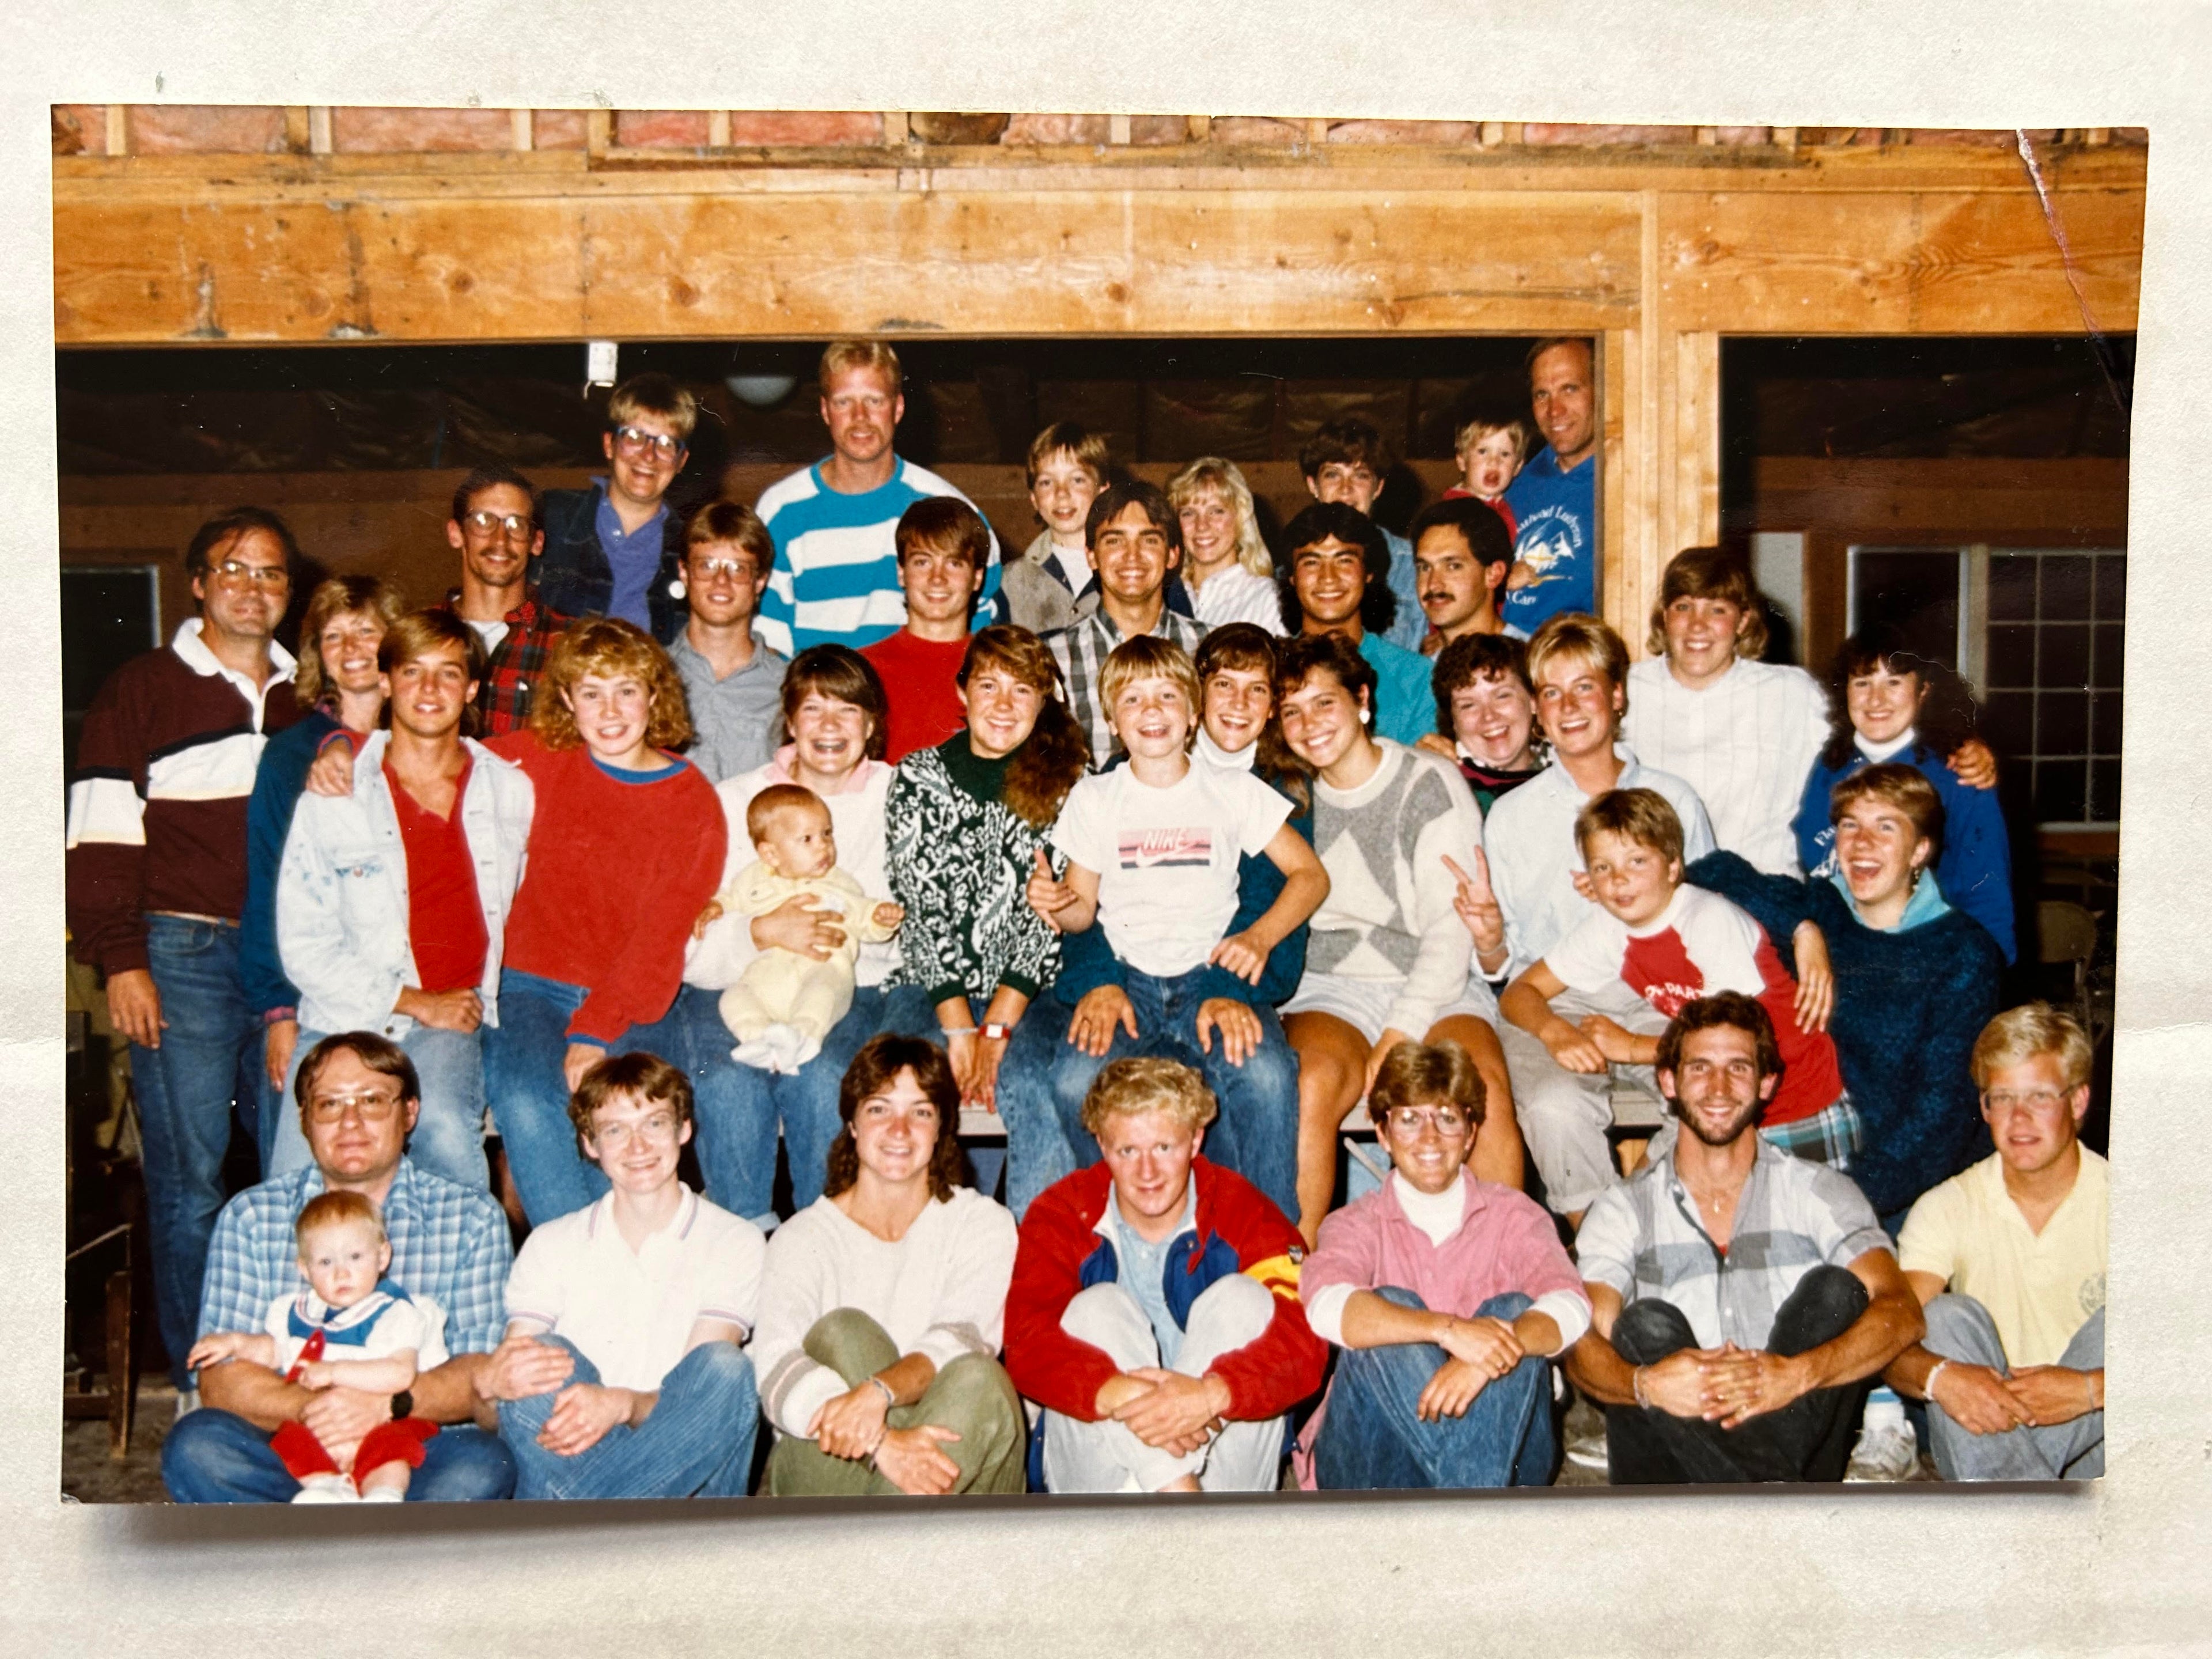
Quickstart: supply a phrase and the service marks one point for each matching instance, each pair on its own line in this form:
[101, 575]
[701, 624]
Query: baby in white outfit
[785, 1003]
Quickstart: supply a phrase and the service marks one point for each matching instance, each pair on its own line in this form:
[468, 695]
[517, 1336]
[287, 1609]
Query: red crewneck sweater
[620, 865]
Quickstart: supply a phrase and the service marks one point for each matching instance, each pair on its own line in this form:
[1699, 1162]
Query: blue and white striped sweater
[836, 580]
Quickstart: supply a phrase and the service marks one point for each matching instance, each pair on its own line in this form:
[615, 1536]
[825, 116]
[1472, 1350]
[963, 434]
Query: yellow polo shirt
[2039, 1287]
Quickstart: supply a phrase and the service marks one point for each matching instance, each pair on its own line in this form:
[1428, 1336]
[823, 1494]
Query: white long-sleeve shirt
[939, 1291]
[1529, 838]
[1388, 915]
[1746, 743]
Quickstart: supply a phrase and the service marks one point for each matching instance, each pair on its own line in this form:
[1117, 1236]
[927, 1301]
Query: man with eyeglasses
[358, 1098]
[495, 530]
[1448, 1296]
[616, 549]
[836, 578]
[732, 682]
[156, 882]
[2008, 1262]
[1742, 1298]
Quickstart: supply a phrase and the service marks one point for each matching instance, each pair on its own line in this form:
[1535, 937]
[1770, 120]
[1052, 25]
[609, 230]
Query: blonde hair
[1464, 435]
[612, 648]
[1213, 472]
[1643, 816]
[337, 1208]
[2020, 1034]
[1583, 637]
[839, 355]
[1147, 658]
[1148, 1083]
[340, 596]
[653, 394]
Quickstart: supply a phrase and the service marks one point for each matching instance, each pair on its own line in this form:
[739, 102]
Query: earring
[1365, 716]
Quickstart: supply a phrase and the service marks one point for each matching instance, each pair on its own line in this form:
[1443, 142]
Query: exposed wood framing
[118, 129]
[1658, 256]
[319, 142]
[718, 129]
[524, 125]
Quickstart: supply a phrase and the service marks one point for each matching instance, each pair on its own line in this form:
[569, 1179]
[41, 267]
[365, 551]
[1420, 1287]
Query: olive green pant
[972, 1395]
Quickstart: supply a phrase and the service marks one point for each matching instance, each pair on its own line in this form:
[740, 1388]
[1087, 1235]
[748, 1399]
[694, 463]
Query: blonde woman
[1226, 565]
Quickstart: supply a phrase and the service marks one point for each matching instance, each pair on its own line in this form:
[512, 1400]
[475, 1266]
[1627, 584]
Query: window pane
[2110, 643]
[1914, 591]
[2104, 792]
[2060, 791]
[2066, 587]
[2065, 657]
[2105, 724]
[2062, 723]
[2111, 586]
[2011, 654]
[2009, 722]
[2012, 587]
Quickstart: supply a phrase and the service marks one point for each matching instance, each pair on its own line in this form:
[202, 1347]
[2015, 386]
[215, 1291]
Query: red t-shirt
[1512, 523]
[444, 916]
[918, 677]
[1700, 944]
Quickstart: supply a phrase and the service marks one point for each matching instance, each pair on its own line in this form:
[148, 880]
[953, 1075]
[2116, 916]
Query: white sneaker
[384, 1495]
[1586, 1447]
[1885, 1451]
[326, 1489]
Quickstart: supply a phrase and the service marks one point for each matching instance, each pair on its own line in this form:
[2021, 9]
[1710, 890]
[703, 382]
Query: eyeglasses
[1444, 1120]
[376, 1106]
[738, 570]
[515, 526]
[636, 440]
[2034, 1100]
[232, 574]
[659, 1130]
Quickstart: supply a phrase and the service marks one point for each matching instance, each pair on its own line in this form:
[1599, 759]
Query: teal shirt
[1405, 707]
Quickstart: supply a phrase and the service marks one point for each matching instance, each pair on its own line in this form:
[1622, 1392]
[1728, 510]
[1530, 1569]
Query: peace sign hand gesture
[1477, 905]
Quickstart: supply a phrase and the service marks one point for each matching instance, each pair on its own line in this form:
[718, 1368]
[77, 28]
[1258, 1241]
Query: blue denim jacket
[341, 891]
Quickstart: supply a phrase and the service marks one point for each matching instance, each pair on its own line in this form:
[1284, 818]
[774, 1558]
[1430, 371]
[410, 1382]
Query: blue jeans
[1961, 1328]
[740, 1106]
[448, 1135]
[1043, 1079]
[697, 1442]
[210, 1063]
[214, 1457]
[1372, 1438]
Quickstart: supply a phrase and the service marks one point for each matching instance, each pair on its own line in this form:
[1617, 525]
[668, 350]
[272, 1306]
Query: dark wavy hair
[1336, 521]
[874, 1069]
[1947, 717]
[1722, 1008]
[1056, 753]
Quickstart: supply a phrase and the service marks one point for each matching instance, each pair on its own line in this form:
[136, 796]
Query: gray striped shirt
[1642, 1239]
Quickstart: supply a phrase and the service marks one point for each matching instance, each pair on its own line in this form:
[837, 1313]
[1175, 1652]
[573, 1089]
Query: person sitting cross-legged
[884, 1301]
[2008, 1262]
[1154, 1310]
[358, 1096]
[1448, 1295]
[621, 1376]
[1737, 1293]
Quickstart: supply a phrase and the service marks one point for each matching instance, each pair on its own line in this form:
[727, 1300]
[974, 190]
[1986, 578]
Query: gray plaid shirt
[1081, 650]
[449, 1242]
[1642, 1238]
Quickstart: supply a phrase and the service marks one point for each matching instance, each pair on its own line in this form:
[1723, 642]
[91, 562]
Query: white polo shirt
[630, 1313]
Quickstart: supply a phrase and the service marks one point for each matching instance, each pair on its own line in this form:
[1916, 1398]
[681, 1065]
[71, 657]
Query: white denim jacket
[341, 891]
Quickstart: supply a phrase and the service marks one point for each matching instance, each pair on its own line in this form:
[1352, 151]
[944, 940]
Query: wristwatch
[403, 1405]
[997, 1032]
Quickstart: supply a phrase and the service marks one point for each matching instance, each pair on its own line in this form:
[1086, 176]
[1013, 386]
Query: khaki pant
[972, 1395]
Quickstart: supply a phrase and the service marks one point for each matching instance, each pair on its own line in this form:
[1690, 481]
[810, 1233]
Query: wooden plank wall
[1657, 255]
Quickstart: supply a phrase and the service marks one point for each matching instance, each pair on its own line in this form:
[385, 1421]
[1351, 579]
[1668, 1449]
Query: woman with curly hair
[1225, 567]
[883, 1304]
[625, 850]
[969, 824]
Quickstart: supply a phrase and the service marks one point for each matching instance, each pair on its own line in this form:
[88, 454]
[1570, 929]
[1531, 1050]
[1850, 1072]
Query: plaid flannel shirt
[511, 670]
[449, 1242]
[1081, 650]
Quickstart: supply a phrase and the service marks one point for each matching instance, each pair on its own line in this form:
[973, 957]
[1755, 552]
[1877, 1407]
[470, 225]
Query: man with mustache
[834, 523]
[1461, 556]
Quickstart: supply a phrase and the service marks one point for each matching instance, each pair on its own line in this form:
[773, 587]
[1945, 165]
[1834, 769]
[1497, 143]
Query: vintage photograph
[800, 804]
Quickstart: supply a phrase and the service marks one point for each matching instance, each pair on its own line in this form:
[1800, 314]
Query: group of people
[813, 824]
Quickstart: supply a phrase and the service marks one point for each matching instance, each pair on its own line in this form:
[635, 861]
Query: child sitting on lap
[784, 1004]
[351, 1328]
[1672, 945]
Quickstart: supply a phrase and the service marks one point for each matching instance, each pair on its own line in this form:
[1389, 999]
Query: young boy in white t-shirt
[1671, 945]
[1153, 848]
